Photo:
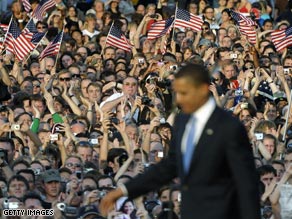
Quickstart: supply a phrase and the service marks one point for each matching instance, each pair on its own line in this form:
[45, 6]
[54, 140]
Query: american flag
[245, 26]
[42, 7]
[282, 38]
[187, 20]
[116, 38]
[26, 5]
[4, 27]
[160, 28]
[31, 32]
[16, 42]
[53, 47]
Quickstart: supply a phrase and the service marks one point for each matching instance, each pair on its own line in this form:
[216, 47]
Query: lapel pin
[209, 131]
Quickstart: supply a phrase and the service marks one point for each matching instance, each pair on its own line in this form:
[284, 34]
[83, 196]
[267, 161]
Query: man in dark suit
[219, 179]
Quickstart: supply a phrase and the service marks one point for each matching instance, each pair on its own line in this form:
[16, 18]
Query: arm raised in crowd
[104, 143]
[123, 168]
[147, 138]
[281, 76]
[108, 106]
[256, 85]
[61, 145]
[275, 196]
[89, 107]
[122, 129]
[4, 76]
[139, 30]
[17, 71]
[70, 102]
[50, 104]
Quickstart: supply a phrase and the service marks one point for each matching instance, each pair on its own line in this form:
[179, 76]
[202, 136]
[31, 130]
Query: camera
[93, 141]
[146, 101]
[153, 16]
[15, 127]
[238, 92]
[259, 136]
[67, 210]
[37, 171]
[173, 67]
[13, 205]
[141, 60]
[163, 83]
[286, 70]
[114, 134]
[151, 80]
[233, 56]
[54, 137]
[114, 120]
[101, 194]
[10, 205]
[160, 154]
[162, 121]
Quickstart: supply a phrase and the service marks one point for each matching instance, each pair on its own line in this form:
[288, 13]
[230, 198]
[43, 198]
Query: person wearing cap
[88, 212]
[52, 186]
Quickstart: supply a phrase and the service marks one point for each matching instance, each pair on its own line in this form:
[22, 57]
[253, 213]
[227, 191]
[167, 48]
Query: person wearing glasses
[36, 84]
[64, 77]
[129, 91]
[74, 163]
[41, 26]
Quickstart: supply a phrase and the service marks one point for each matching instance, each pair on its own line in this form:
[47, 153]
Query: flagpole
[106, 39]
[6, 35]
[173, 31]
[55, 66]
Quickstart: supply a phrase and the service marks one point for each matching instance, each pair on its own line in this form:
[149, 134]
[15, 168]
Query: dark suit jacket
[222, 182]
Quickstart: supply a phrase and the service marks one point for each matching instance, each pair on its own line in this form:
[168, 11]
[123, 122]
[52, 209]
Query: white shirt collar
[205, 111]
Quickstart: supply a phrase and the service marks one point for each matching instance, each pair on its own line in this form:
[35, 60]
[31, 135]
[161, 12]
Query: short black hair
[115, 152]
[18, 178]
[197, 74]
[26, 171]
[8, 140]
[105, 177]
[31, 195]
[265, 169]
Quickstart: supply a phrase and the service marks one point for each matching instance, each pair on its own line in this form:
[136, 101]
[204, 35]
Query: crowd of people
[79, 124]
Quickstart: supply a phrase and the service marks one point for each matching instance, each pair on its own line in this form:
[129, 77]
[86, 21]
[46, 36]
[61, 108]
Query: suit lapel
[208, 132]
